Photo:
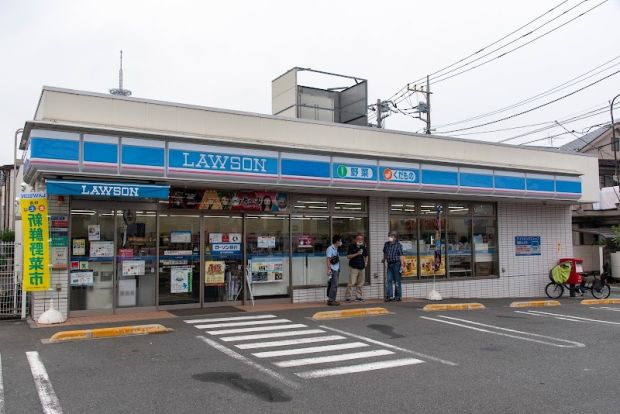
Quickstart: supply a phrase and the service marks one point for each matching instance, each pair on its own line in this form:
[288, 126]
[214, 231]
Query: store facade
[156, 205]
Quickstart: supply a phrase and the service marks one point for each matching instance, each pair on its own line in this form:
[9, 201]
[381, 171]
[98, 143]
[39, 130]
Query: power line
[536, 107]
[555, 89]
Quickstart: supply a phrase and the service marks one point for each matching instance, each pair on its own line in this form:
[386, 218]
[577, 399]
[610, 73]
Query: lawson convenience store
[170, 206]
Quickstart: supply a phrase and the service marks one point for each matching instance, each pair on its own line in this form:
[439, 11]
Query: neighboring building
[593, 222]
[7, 197]
[168, 204]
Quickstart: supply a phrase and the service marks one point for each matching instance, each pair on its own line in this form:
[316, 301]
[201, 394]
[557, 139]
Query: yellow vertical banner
[36, 253]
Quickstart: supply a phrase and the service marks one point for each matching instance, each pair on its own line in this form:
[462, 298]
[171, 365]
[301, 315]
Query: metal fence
[10, 285]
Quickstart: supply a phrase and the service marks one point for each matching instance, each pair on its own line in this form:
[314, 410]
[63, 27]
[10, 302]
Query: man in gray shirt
[333, 270]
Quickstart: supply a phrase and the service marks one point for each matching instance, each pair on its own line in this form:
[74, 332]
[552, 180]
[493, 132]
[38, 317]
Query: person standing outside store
[333, 270]
[394, 256]
[358, 260]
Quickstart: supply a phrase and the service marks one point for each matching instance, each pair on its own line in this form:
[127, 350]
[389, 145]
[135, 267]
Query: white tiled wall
[523, 276]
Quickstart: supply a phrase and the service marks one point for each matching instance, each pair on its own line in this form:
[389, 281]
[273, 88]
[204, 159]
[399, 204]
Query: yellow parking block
[535, 304]
[453, 306]
[113, 332]
[350, 313]
[600, 302]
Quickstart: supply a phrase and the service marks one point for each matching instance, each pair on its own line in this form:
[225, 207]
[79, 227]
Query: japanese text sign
[36, 241]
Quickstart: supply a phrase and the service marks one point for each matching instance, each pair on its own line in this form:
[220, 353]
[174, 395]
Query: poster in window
[214, 272]
[79, 247]
[267, 270]
[180, 237]
[133, 267]
[181, 279]
[411, 266]
[216, 200]
[82, 278]
[266, 242]
[427, 263]
[94, 232]
[102, 249]
[59, 257]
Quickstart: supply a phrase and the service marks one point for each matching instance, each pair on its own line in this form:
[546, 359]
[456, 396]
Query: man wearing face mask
[393, 254]
[358, 260]
[333, 270]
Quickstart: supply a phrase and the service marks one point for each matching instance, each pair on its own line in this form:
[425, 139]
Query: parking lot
[552, 359]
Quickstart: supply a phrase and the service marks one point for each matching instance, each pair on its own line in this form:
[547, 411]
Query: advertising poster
[59, 223]
[305, 242]
[427, 263]
[242, 201]
[266, 242]
[133, 267]
[36, 251]
[59, 257]
[102, 249]
[180, 237]
[411, 266]
[267, 270]
[527, 246]
[84, 278]
[214, 272]
[181, 279]
[79, 247]
[94, 232]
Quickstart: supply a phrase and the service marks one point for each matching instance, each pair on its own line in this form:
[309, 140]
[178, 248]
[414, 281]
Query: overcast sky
[225, 54]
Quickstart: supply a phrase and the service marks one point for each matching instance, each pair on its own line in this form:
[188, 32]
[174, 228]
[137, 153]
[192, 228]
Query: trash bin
[575, 274]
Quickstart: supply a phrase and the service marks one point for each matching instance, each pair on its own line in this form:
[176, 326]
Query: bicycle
[595, 283]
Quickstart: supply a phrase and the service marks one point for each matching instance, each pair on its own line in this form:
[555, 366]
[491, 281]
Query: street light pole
[613, 137]
[15, 207]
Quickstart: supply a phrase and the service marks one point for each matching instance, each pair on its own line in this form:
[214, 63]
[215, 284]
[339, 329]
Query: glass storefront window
[179, 259]
[136, 257]
[92, 259]
[353, 205]
[431, 221]
[485, 247]
[311, 204]
[406, 228]
[267, 241]
[224, 269]
[348, 228]
[459, 240]
[310, 237]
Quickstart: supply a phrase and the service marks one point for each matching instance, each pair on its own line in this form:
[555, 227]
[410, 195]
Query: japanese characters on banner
[215, 272]
[216, 200]
[35, 228]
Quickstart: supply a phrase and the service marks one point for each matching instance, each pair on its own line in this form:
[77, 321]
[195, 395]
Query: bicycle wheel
[553, 290]
[601, 292]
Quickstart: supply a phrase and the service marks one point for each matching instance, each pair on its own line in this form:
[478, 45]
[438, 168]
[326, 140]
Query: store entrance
[223, 267]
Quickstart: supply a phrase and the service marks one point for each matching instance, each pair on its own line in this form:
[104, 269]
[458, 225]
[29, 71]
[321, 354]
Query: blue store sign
[104, 189]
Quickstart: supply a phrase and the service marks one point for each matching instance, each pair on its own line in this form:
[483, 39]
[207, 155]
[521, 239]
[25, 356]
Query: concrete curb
[535, 304]
[452, 306]
[600, 302]
[350, 313]
[113, 332]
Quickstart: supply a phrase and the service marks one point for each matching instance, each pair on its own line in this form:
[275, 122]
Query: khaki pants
[357, 278]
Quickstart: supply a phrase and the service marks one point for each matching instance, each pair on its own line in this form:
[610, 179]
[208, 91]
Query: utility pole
[424, 107]
[379, 115]
[614, 143]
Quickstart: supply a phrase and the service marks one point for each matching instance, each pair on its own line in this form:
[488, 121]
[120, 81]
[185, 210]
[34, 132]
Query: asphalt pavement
[536, 360]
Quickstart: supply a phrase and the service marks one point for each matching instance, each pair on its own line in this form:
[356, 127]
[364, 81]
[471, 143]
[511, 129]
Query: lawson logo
[110, 190]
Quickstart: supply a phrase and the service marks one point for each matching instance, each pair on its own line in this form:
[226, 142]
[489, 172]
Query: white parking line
[570, 344]
[569, 317]
[327, 372]
[249, 362]
[310, 350]
[271, 335]
[245, 323]
[605, 308]
[332, 358]
[48, 398]
[236, 318]
[1, 388]
[286, 342]
[257, 329]
[390, 346]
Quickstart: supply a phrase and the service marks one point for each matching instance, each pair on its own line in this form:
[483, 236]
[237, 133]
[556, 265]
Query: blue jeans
[393, 276]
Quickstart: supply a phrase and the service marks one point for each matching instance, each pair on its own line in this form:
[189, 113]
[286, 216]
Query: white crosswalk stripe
[333, 358]
[287, 342]
[310, 350]
[1, 388]
[271, 335]
[256, 329]
[246, 323]
[282, 337]
[49, 401]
